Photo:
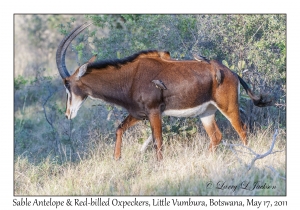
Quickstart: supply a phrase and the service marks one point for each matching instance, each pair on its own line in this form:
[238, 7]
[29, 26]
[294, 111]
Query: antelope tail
[261, 101]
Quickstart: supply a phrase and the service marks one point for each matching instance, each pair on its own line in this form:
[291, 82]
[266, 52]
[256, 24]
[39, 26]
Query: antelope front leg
[156, 127]
[127, 123]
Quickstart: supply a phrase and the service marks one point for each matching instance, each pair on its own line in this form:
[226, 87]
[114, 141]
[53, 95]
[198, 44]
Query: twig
[44, 108]
[251, 39]
[49, 121]
[146, 143]
[276, 172]
[239, 145]
[257, 156]
[280, 105]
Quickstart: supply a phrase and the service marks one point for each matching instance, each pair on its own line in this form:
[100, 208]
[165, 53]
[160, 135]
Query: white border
[218, 6]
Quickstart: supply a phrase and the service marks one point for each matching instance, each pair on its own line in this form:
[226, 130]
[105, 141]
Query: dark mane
[119, 62]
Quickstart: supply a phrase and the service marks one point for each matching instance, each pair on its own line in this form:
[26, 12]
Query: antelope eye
[67, 85]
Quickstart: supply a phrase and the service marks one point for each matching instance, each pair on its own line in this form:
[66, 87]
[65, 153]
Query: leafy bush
[19, 82]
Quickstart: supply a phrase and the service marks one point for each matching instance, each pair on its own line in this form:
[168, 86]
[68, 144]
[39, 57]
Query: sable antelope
[149, 85]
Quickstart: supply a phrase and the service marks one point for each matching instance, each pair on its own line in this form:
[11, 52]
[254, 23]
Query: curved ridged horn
[62, 48]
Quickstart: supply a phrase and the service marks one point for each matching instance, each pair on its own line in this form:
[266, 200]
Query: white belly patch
[206, 108]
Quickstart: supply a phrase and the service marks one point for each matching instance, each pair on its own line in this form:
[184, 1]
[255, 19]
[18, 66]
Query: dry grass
[187, 169]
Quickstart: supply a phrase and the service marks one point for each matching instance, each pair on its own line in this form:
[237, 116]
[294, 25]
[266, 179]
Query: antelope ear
[92, 59]
[82, 70]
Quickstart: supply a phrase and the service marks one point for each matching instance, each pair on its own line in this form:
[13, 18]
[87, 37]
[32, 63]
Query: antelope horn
[62, 48]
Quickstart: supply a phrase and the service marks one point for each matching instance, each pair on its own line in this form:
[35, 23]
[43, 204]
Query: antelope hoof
[117, 157]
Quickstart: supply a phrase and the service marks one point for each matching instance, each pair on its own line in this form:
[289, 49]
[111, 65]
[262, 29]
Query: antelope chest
[203, 109]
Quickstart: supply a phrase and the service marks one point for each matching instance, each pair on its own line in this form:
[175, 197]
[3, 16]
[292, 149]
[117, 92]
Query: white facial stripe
[74, 103]
[68, 92]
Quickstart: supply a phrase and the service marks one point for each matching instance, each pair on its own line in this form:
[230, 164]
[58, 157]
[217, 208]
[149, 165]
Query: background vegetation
[51, 151]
